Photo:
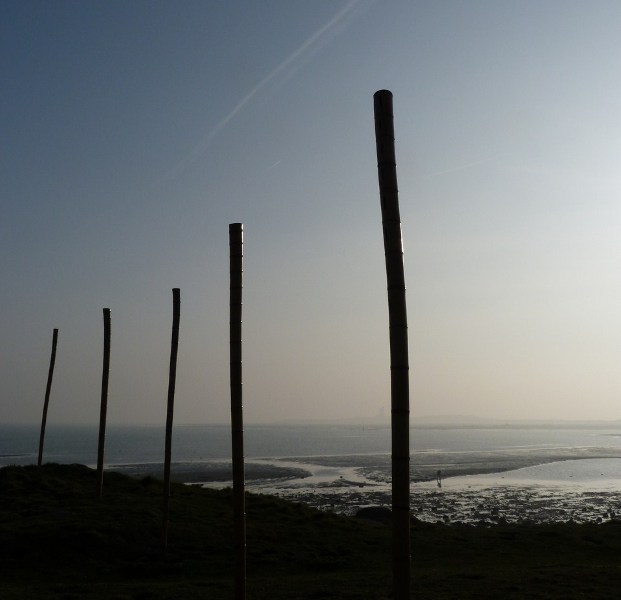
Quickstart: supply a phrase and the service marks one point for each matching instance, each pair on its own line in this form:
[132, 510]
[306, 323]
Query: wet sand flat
[515, 486]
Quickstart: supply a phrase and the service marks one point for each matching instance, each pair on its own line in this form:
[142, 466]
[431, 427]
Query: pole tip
[382, 93]
[382, 102]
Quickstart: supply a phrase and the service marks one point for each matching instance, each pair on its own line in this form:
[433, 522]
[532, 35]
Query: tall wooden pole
[172, 377]
[104, 400]
[48, 389]
[236, 247]
[398, 328]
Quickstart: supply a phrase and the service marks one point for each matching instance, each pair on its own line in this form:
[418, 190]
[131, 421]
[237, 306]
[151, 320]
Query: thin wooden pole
[48, 389]
[172, 377]
[398, 328]
[104, 400]
[236, 246]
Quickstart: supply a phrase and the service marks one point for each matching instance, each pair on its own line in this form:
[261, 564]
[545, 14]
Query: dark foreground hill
[58, 540]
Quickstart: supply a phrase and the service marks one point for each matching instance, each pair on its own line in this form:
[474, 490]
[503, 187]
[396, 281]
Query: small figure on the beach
[439, 478]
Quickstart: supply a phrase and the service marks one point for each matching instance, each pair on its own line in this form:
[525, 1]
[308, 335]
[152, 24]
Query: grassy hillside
[58, 540]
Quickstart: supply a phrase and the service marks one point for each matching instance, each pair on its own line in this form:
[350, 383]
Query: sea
[480, 475]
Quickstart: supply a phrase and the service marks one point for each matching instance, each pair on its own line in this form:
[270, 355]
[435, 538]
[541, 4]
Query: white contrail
[203, 144]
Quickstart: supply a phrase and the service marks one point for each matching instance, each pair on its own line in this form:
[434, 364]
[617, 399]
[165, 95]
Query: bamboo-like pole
[172, 377]
[398, 328]
[104, 400]
[236, 249]
[48, 389]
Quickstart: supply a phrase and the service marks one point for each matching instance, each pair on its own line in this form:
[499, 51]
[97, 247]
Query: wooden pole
[48, 389]
[172, 377]
[398, 328]
[104, 400]
[236, 247]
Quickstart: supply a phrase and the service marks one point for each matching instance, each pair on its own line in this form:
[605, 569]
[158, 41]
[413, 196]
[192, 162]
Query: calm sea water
[70, 444]
[343, 471]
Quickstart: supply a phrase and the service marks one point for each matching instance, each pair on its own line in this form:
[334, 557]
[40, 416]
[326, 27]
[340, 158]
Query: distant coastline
[427, 421]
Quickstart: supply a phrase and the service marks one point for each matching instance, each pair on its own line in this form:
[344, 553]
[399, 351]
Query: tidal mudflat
[580, 485]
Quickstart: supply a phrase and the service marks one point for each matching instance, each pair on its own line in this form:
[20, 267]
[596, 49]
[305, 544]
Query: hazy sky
[133, 133]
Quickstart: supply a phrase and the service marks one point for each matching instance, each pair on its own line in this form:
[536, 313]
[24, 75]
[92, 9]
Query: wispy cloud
[313, 42]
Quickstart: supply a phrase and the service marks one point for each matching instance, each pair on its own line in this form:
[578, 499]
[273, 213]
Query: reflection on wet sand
[480, 488]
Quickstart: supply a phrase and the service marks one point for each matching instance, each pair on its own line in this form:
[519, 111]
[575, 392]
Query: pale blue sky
[133, 133]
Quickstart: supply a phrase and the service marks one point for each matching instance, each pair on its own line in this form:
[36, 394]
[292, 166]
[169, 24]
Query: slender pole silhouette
[172, 377]
[236, 248]
[398, 328]
[104, 400]
[48, 389]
